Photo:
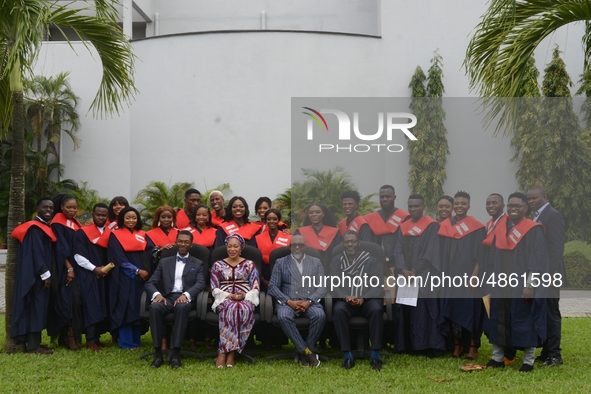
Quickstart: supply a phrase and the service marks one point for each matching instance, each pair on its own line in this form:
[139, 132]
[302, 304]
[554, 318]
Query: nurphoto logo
[392, 120]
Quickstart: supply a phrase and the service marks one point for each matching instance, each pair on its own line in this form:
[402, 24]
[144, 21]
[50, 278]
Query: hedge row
[577, 258]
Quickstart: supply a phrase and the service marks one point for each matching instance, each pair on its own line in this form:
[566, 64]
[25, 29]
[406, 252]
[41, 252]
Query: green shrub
[577, 258]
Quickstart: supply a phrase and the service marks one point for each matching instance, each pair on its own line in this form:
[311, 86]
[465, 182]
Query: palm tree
[498, 54]
[23, 25]
[156, 194]
[325, 187]
[51, 107]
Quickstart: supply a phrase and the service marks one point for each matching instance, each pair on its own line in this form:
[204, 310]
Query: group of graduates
[67, 284]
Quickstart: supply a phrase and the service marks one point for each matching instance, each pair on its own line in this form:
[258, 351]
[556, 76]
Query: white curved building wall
[215, 107]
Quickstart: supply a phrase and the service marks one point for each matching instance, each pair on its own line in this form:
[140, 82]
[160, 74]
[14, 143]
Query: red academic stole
[492, 230]
[282, 226]
[511, 240]
[20, 231]
[72, 224]
[320, 241]
[159, 237]
[112, 225]
[414, 229]
[265, 245]
[390, 226]
[182, 220]
[462, 228]
[205, 238]
[247, 230]
[95, 237]
[131, 242]
[215, 220]
[355, 224]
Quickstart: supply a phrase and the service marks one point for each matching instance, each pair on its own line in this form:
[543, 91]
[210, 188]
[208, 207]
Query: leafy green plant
[428, 154]
[577, 259]
[156, 194]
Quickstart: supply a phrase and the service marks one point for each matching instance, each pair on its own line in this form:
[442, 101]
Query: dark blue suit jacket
[163, 278]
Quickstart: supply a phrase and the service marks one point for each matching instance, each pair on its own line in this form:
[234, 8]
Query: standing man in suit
[296, 297]
[172, 289]
[553, 221]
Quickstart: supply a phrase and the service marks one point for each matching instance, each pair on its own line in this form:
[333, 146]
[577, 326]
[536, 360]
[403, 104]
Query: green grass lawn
[116, 370]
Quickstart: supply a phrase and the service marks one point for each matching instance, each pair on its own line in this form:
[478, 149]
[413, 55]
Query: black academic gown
[29, 309]
[125, 293]
[417, 327]
[93, 296]
[391, 243]
[513, 322]
[458, 304]
[61, 302]
[221, 235]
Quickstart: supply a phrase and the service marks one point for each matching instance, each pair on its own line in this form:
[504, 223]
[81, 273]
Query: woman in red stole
[131, 252]
[163, 233]
[62, 319]
[201, 227]
[236, 221]
[320, 232]
[115, 207]
[269, 241]
[262, 205]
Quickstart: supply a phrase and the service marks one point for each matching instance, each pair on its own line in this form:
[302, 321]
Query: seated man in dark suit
[360, 293]
[172, 289]
[294, 285]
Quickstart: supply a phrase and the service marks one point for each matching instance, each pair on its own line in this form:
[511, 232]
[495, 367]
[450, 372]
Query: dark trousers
[371, 309]
[33, 340]
[159, 310]
[552, 344]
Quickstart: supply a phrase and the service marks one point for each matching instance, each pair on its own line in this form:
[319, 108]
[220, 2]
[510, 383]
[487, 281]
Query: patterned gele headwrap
[238, 237]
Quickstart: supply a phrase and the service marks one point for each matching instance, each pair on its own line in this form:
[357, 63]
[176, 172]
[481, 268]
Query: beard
[298, 255]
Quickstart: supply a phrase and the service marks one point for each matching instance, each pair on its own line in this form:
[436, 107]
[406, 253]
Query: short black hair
[519, 195]
[416, 196]
[229, 216]
[354, 194]
[192, 191]
[44, 198]
[540, 188]
[498, 195]
[185, 232]
[446, 197]
[462, 193]
[99, 205]
[120, 224]
[388, 187]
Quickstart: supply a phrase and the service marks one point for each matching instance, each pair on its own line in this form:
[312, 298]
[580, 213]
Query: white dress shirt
[83, 261]
[178, 279]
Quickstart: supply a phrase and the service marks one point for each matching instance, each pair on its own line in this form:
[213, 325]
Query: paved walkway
[573, 303]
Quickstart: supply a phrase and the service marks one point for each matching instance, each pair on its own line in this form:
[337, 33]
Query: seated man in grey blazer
[172, 289]
[292, 287]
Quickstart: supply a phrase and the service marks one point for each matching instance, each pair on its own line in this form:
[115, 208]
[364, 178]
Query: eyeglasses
[350, 242]
[298, 245]
[515, 206]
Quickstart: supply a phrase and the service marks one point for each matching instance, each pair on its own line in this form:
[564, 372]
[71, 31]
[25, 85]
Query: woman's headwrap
[238, 237]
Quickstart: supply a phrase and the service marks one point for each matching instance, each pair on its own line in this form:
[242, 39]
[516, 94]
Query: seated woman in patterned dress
[235, 287]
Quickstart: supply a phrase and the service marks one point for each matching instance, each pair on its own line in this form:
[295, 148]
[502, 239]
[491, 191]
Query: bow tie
[182, 259]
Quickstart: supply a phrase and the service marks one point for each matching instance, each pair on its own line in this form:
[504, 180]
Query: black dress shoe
[495, 364]
[157, 362]
[541, 358]
[552, 361]
[376, 364]
[348, 363]
[526, 368]
[175, 363]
